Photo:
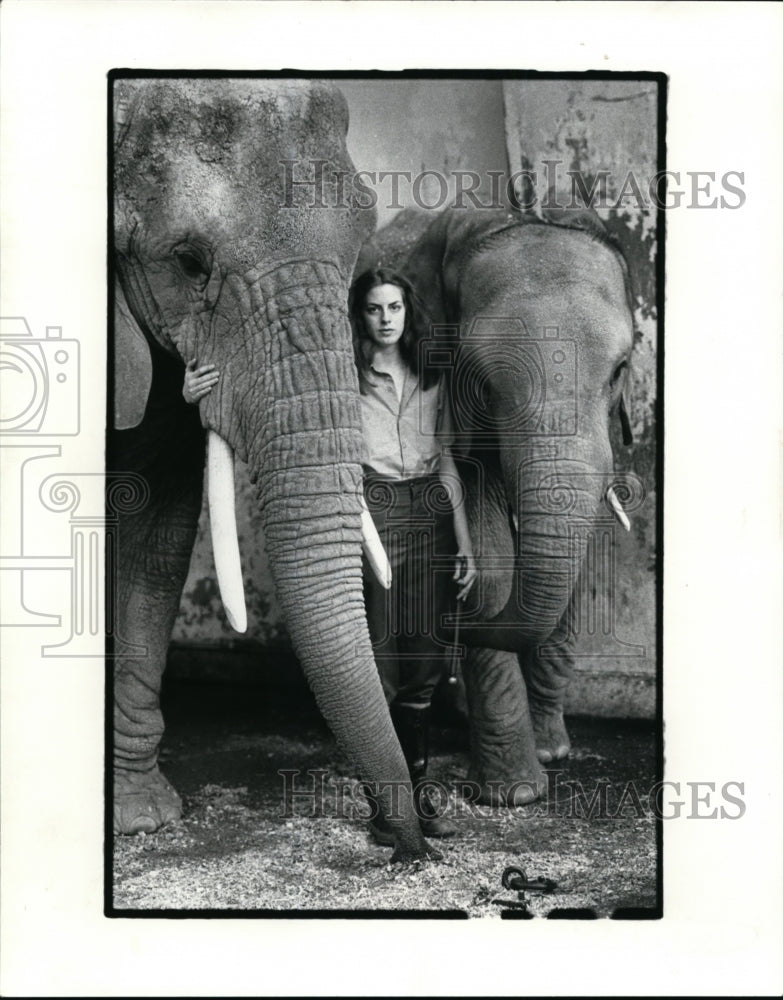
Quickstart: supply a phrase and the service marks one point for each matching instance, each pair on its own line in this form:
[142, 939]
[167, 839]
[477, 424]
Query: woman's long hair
[415, 329]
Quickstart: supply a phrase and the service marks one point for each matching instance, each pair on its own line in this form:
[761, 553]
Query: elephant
[532, 319]
[221, 254]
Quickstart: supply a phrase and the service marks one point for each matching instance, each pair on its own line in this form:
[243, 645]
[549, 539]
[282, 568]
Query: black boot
[412, 724]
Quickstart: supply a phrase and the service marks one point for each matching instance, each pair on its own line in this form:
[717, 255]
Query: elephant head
[226, 254]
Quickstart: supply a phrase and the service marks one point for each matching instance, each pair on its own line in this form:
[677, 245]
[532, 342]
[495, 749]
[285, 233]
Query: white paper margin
[723, 567]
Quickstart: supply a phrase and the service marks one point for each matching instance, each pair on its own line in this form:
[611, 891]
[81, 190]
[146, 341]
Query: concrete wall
[420, 125]
[590, 126]
[483, 126]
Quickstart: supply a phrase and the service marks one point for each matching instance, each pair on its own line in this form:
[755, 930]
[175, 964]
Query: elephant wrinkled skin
[533, 323]
[216, 260]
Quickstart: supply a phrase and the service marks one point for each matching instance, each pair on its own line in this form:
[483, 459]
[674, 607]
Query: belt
[378, 477]
[402, 488]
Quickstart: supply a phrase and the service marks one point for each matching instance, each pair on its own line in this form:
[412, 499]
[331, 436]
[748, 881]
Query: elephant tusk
[222, 518]
[374, 550]
[617, 509]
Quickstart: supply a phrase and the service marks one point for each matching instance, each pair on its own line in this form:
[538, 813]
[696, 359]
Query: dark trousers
[408, 624]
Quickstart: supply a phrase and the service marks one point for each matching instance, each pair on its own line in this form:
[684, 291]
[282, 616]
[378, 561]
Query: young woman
[413, 491]
[414, 494]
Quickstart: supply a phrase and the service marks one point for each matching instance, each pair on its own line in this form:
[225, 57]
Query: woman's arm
[465, 572]
[198, 381]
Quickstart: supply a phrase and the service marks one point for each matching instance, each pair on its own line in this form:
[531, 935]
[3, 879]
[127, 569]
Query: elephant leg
[154, 547]
[547, 669]
[143, 798]
[503, 752]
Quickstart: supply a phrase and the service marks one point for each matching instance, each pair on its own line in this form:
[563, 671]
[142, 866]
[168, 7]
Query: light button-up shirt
[403, 436]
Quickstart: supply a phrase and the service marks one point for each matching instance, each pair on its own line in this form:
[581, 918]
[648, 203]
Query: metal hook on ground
[515, 878]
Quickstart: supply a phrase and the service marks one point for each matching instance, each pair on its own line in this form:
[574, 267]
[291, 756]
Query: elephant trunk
[294, 413]
[554, 499]
[312, 530]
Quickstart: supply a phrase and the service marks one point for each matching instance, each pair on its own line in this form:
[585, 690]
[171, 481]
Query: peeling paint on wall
[604, 134]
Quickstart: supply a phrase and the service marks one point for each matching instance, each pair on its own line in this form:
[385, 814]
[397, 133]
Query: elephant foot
[409, 857]
[403, 856]
[501, 783]
[144, 801]
[552, 742]
[519, 791]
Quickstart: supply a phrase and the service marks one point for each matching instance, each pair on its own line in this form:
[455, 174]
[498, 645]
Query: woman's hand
[465, 573]
[198, 381]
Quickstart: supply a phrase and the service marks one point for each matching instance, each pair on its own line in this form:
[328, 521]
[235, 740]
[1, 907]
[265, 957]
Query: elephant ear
[132, 366]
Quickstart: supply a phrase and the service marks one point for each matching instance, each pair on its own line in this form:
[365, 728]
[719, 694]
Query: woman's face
[384, 314]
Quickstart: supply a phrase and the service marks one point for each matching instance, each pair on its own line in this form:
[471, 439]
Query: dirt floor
[241, 845]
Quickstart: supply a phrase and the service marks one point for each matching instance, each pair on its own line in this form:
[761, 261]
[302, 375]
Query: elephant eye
[191, 264]
[617, 374]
